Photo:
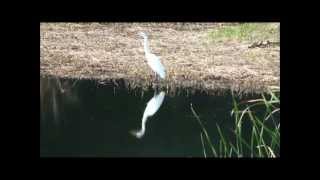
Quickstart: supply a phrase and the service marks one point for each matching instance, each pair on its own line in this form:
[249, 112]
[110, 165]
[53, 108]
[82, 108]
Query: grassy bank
[264, 139]
[201, 56]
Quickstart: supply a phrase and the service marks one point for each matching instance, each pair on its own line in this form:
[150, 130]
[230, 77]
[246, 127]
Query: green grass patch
[246, 32]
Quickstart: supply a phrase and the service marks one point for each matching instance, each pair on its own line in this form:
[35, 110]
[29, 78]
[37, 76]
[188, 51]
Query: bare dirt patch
[113, 51]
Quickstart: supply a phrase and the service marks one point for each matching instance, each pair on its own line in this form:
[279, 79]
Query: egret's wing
[156, 65]
[154, 104]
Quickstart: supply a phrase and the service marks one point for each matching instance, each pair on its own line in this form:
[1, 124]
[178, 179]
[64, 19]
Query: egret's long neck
[141, 132]
[143, 122]
[146, 46]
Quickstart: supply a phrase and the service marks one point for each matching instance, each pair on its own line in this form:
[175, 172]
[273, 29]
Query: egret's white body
[153, 60]
[152, 107]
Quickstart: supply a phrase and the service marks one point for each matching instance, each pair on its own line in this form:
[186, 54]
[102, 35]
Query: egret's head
[142, 34]
[137, 134]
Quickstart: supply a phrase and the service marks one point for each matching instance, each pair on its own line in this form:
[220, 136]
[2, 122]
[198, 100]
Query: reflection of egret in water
[152, 107]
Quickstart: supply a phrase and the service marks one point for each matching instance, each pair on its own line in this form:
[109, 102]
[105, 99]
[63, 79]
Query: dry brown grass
[113, 51]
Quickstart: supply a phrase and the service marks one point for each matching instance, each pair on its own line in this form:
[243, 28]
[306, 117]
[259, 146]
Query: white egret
[152, 60]
[152, 107]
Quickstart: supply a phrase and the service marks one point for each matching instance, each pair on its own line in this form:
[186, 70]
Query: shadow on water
[84, 118]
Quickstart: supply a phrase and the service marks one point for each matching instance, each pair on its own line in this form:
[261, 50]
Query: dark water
[84, 118]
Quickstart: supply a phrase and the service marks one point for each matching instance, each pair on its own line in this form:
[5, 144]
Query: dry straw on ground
[114, 51]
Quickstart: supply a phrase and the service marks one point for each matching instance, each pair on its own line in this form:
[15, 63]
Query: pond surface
[83, 118]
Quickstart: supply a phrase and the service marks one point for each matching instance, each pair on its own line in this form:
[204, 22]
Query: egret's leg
[155, 75]
[155, 92]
